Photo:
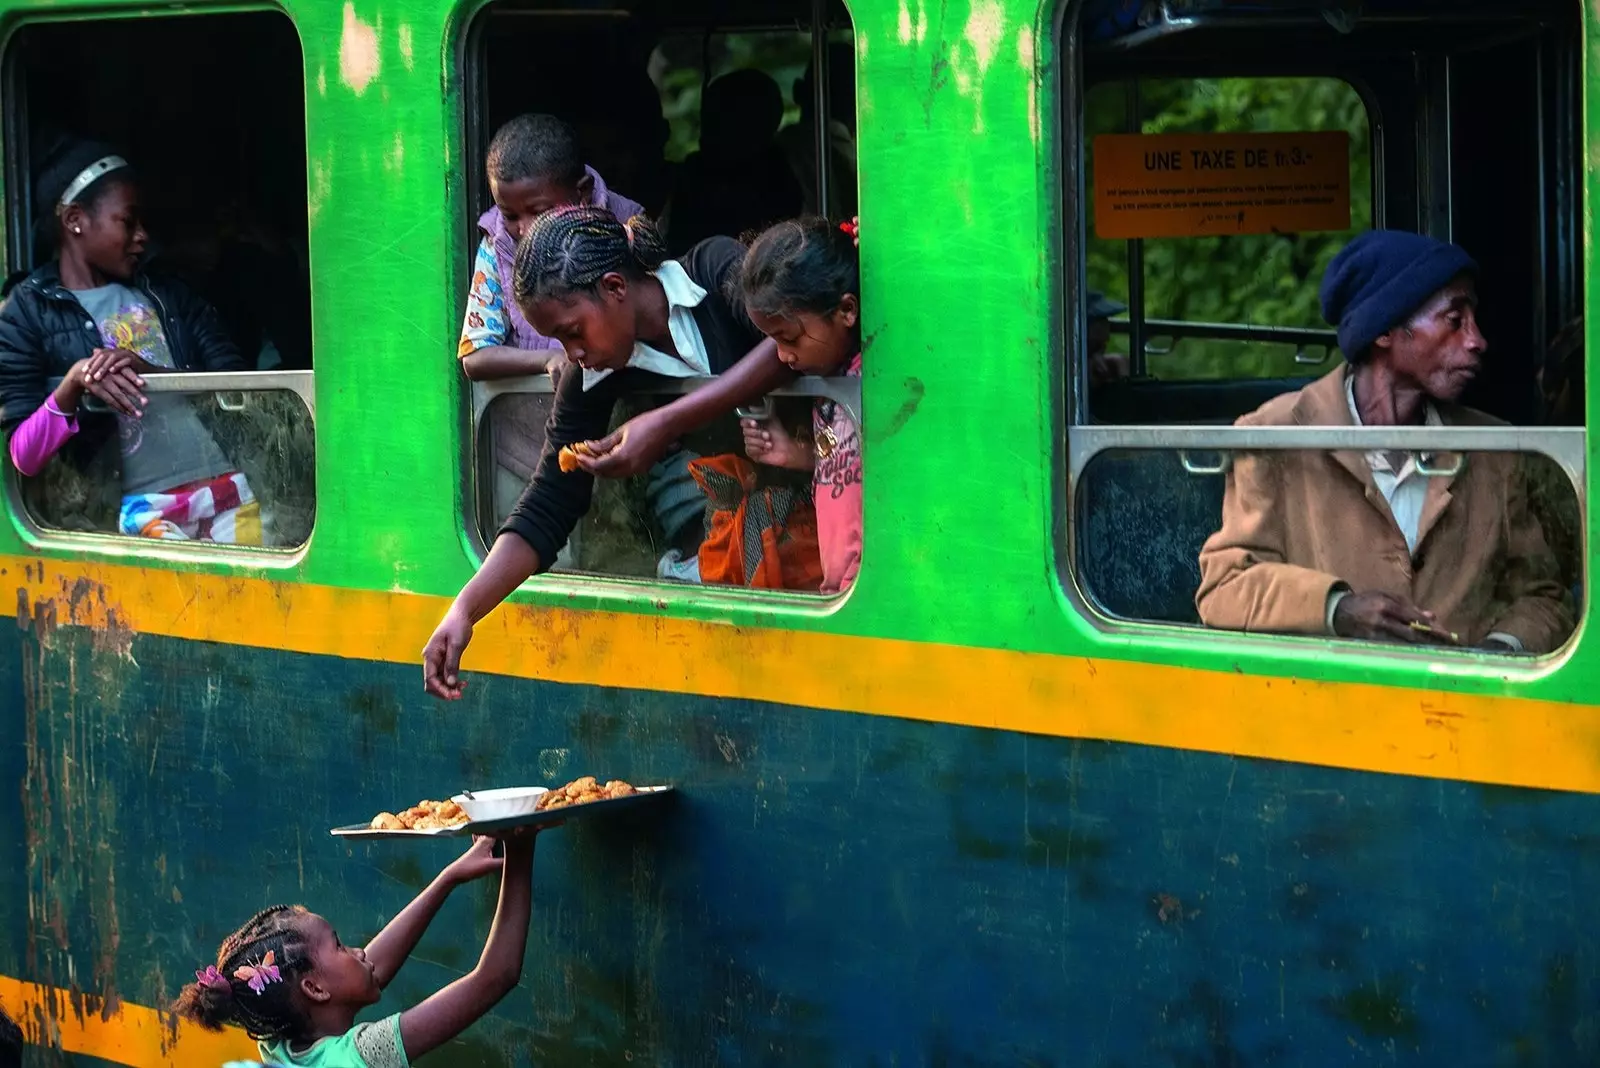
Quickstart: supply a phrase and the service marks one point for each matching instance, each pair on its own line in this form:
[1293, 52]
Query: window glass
[246, 462]
[711, 126]
[195, 265]
[1231, 281]
[1253, 540]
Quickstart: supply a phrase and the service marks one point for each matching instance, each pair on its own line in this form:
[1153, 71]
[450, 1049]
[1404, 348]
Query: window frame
[18, 220]
[477, 497]
[1077, 441]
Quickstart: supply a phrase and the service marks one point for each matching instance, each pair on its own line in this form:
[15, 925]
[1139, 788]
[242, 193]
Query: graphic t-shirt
[838, 490]
[366, 1045]
[169, 446]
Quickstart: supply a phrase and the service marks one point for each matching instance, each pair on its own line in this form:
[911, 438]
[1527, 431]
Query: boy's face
[524, 200]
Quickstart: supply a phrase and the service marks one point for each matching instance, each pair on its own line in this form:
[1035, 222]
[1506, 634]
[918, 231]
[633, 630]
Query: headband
[89, 175]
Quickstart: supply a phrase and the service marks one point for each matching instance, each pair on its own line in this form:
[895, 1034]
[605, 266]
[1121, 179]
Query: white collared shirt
[683, 297]
[1406, 491]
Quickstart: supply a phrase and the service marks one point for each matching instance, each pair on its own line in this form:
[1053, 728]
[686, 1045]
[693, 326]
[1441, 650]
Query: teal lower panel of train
[824, 889]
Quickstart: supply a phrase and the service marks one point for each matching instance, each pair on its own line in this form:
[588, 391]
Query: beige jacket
[1296, 525]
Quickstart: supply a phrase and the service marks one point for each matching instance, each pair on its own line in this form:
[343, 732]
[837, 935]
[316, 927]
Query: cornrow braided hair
[271, 1014]
[570, 249]
[803, 265]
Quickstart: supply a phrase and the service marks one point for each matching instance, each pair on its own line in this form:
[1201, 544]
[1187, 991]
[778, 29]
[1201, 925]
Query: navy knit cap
[1380, 279]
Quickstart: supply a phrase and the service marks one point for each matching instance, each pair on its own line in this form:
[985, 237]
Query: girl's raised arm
[453, 1009]
[388, 951]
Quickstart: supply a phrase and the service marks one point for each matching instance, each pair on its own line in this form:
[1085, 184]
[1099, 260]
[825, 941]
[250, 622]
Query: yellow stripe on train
[1505, 741]
[122, 1034]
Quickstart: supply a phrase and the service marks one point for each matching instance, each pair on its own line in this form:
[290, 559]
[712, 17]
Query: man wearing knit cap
[1366, 545]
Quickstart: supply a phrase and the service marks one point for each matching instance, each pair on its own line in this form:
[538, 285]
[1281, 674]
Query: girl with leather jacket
[91, 323]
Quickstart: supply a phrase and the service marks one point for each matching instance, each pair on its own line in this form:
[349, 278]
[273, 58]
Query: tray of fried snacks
[426, 819]
[490, 811]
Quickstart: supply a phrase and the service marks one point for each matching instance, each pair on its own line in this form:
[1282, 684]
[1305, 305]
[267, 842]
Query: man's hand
[1376, 616]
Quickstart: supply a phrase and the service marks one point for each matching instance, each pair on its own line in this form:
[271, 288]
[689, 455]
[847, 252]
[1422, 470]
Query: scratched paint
[360, 61]
[829, 888]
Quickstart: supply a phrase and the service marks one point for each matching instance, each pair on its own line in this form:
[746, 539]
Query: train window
[711, 127]
[1219, 305]
[1266, 541]
[156, 211]
[1236, 461]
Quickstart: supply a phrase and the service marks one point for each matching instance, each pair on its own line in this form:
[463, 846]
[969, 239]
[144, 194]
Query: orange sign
[1195, 185]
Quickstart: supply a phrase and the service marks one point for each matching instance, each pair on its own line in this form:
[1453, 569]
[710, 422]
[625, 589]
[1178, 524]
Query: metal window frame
[1565, 446]
[194, 383]
[845, 391]
[1076, 448]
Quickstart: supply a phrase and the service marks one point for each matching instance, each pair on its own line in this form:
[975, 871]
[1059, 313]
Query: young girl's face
[112, 237]
[341, 972]
[597, 329]
[815, 344]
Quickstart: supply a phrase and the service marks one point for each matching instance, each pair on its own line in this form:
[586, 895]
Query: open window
[208, 111]
[1218, 156]
[651, 90]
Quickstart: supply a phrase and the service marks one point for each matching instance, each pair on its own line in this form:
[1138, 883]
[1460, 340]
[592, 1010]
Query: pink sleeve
[40, 436]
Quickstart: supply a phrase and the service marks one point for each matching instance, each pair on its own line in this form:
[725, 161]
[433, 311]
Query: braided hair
[803, 265]
[272, 1014]
[569, 250]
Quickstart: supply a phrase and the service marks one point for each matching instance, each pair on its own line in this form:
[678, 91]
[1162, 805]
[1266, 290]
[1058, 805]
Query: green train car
[1006, 801]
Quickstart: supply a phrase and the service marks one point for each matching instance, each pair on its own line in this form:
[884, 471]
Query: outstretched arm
[640, 442]
[393, 945]
[453, 1009]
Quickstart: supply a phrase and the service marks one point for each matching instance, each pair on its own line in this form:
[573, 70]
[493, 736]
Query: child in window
[296, 989]
[801, 285]
[91, 322]
[534, 166]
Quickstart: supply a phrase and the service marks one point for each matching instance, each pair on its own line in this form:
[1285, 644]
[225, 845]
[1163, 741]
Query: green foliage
[1254, 279]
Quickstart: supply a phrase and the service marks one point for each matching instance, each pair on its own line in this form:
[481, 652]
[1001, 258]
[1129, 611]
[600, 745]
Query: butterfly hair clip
[213, 978]
[260, 975]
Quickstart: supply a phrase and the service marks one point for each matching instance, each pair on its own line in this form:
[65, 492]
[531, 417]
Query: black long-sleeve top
[554, 501]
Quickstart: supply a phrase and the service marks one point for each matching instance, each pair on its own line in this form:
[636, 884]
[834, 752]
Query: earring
[77, 229]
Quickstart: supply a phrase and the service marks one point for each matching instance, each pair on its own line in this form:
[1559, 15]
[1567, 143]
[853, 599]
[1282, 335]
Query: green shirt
[366, 1045]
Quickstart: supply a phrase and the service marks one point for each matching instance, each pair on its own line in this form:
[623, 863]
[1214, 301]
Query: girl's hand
[477, 862]
[106, 362]
[557, 367]
[108, 375]
[441, 657]
[631, 448]
[769, 442]
[855, 225]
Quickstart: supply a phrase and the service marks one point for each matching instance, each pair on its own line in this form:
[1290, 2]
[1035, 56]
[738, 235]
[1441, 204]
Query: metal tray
[645, 795]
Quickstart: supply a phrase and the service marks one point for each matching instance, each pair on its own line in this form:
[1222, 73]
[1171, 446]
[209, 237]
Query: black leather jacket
[44, 331]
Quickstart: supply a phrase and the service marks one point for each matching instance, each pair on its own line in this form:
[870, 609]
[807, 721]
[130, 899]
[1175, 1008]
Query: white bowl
[500, 804]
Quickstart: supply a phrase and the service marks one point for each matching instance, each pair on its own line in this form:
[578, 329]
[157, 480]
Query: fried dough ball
[424, 816]
[583, 791]
[568, 456]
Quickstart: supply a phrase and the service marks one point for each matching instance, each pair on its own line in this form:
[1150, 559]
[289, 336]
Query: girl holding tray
[296, 989]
